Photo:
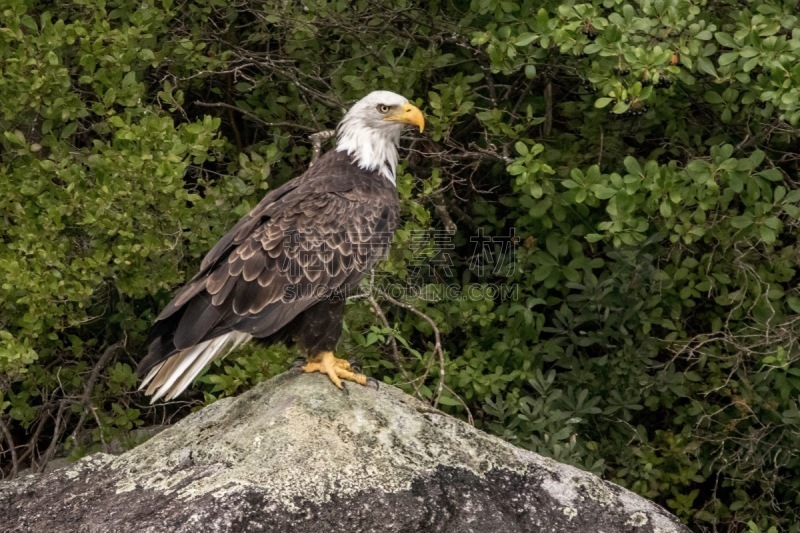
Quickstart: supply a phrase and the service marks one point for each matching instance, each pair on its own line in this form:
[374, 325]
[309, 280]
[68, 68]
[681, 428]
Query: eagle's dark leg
[317, 333]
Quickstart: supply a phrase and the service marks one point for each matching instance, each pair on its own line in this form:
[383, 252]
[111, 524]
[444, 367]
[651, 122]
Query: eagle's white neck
[373, 148]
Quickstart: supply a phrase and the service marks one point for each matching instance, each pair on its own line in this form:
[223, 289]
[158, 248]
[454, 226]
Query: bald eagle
[281, 273]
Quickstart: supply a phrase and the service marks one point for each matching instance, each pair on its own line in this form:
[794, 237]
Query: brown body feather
[280, 273]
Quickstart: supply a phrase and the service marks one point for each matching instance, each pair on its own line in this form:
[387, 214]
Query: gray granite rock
[295, 454]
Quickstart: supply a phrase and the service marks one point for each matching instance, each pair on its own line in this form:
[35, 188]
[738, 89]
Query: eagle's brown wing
[315, 236]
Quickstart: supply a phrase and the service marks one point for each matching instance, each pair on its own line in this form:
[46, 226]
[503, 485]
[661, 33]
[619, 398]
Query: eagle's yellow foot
[336, 369]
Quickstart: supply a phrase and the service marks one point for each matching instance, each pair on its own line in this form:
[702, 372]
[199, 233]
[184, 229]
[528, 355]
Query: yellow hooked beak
[408, 114]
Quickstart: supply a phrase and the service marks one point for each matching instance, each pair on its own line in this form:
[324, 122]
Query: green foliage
[639, 159]
[247, 367]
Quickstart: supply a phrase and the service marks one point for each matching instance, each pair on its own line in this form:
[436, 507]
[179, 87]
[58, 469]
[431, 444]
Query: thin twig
[44, 415]
[600, 156]
[392, 341]
[437, 349]
[441, 210]
[255, 118]
[51, 449]
[316, 142]
[11, 446]
[470, 420]
[89, 386]
[548, 115]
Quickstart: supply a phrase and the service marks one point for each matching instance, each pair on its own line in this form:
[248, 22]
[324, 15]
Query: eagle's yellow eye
[383, 108]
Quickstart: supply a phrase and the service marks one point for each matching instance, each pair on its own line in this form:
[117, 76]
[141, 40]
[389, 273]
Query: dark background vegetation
[640, 157]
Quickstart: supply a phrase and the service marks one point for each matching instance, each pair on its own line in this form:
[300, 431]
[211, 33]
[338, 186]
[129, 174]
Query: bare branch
[470, 420]
[255, 118]
[548, 117]
[437, 348]
[11, 446]
[392, 341]
[89, 386]
[45, 458]
[441, 210]
[316, 140]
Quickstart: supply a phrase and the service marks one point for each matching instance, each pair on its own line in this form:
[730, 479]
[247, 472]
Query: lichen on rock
[295, 454]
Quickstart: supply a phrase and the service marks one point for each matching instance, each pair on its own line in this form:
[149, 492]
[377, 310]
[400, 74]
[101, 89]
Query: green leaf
[767, 235]
[129, 79]
[727, 58]
[16, 137]
[620, 107]
[771, 174]
[632, 166]
[725, 39]
[592, 48]
[525, 39]
[355, 82]
[756, 158]
[706, 66]
[742, 221]
[603, 192]
[749, 65]
[29, 23]
[773, 223]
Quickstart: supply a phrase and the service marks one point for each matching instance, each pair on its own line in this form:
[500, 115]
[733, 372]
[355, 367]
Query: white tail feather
[208, 355]
[182, 360]
[151, 375]
[171, 377]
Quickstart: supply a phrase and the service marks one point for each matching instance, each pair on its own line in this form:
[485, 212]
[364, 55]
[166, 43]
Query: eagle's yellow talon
[341, 363]
[336, 369]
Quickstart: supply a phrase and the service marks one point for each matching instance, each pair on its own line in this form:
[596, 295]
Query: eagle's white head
[370, 131]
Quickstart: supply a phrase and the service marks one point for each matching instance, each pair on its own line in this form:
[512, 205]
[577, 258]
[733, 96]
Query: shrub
[599, 248]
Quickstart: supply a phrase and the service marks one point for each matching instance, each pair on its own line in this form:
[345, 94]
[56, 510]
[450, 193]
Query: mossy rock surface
[296, 454]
